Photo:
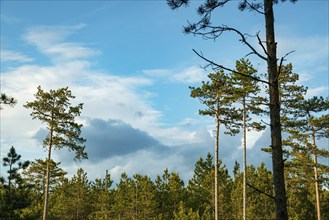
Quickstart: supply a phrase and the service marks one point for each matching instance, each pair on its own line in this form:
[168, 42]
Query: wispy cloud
[193, 74]
[12, 56]
[311, 53]
[51, 41]
[317, 91]
[9, 19]
[103, 94]
[44, 35]
[123, 128]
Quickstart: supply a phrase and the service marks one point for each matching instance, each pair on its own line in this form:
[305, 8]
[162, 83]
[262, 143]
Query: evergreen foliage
[305, 121]
[13, 190]
[167, 197]
[55, 110]
[207, 28]
[7, 100]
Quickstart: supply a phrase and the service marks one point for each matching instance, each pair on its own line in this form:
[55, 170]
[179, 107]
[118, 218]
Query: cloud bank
[124, 131]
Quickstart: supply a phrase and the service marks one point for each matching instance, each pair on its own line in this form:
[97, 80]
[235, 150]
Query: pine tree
[101, 198]
[35, 176]
[170, 192]
[71, 199]
[217, 95]
[54, 109]
[310, 121]
[176, 190]
[260, 190]
[183, 214]
[246, 92]
[15, 190]
[163, 195]
[145, 201]
[237, 191]
[260, 184]
[80, 187]
[60, 201]
[200, 188]
[124, 199]
[268, 53]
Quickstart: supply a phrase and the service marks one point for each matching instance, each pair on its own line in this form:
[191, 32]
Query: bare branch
[244, 40]
[260, 191]
[261, 43]
[228, 69]
[249, 54]
[281, 61]
[217, 31]
[255, 7]
[265, 122]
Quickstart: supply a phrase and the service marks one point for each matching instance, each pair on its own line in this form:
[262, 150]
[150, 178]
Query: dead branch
[281, 61]
[260, 191]
[261, 44]
[228, 69]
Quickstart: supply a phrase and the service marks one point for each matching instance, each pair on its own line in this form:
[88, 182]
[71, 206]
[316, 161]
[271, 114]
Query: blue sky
[131, 65]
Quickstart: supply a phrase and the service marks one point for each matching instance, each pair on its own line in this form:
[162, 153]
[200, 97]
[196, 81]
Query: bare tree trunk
[318, 210]
[315, 161]
[244, 160]
[11, 204]
[276, 139]
[216, 159]
[46, 195]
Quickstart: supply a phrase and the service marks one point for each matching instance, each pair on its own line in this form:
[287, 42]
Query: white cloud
[191, 75]
[12, 56]
[50, 41]
[149, 161]
[42, 36]
[107, 97]
[68, 51]
[311, 53]
[252, 137]
[143, 162]
[317, 91]
[188, 122]
[159, 73]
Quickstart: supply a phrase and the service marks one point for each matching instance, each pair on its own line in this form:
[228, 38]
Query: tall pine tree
[218, 96]
[55, 110]
[309, 122]
[246, 92]
[268, 53]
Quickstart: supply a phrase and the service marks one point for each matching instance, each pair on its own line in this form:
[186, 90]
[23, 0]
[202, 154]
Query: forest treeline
[41, 190]
[166, 197]
[296, 189]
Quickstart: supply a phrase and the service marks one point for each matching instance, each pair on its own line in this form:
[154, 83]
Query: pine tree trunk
[216, 160]
[315, 161]
[276, 139]
[11, 204]
[46, 195]
[244, 160]
[318, 210]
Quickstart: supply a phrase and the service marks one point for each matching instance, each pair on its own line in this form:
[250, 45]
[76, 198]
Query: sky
[131, 66]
